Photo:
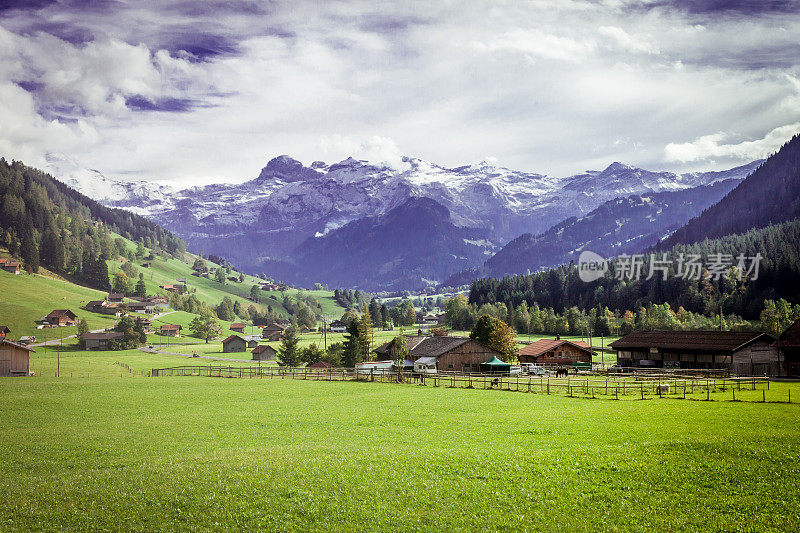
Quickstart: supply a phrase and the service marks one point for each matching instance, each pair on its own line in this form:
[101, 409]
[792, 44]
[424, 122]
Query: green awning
[494, 361]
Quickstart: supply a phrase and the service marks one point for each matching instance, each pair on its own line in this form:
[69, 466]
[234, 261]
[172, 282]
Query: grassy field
[111, 452]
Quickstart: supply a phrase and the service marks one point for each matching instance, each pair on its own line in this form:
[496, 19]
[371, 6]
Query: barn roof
[263, 348]
[232, 337]
[238, 325]
[171, 327]
[704, 341]
[103, 336]
[4, 329]
[421, 346]
[320, 364]
[790, 337]
[16, 345]
[57, 313]
[545, 345]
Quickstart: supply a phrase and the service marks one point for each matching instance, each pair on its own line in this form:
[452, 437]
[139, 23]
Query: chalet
[9, 265]
[454, 354]
[14, 359]
[4, 331]
[99, 341]
[59, 317]
[337, 326]
[432, 319]
[142, 307]
[268, 286]
[26, 339]
[789, 345]
[171, 288]
[113, 309]
[238, 327]
[147, 325]
[171, 330]
[156, 300]
[234, 343]
[556, 351]
[264, 352]
[740, 352]
[115, 297]
[273, 332]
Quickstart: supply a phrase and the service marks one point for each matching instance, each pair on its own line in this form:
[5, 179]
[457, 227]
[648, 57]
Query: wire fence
[647, 385]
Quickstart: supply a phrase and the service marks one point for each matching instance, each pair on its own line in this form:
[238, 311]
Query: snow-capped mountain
[263, 220]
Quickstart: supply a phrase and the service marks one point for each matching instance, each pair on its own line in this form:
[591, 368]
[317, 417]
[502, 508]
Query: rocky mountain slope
[270, 220]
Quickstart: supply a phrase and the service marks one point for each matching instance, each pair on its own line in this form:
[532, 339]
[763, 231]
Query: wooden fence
[580, 385]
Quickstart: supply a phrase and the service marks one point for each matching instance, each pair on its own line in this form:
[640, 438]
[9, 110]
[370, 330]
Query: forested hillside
[43, 221]
[561, 288]
[770, 195]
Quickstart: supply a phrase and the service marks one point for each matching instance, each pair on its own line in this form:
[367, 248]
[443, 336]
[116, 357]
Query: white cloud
[377, 150]
[535, 44]
[709, 147]
[626, 41]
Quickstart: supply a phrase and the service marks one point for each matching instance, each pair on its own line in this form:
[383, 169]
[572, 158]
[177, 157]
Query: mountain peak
[287, 169]
[616, 166]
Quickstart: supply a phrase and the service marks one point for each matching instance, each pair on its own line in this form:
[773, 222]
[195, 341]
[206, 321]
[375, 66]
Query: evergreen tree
[29, 251]
[365, 335]
[351, 354]
[141, 289]
[288, 353]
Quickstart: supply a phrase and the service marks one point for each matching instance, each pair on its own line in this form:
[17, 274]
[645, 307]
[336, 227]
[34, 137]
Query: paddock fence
[594, 386]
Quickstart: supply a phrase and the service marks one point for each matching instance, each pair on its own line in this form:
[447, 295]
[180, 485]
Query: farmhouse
[14, 358]
[95, 306]
[234, 343]
[455, 354]
[789, 345]
[556, 351]
[741, 352]
[99, 341]
[59, 317]
[10, 265]
[115, 297]
[4, 331]
[171, 288]
[238, 327]
[171, 330]
[273, 332]
[264, 352]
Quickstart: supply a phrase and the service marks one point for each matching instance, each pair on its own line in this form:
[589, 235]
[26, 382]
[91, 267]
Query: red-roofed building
[238, 327]
[556, 351]
[60, 317]
[171, 330]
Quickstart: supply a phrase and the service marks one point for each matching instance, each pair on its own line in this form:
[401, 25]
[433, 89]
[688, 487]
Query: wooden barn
[238, 327]
[4, 331]
[171, 330]
[14, 359]
[556, 351]
[789, 345]
[234, 344]
[319, 365]
[273, 332]
[115, 297]
[99, 341]
[60, 317]
[9, 265]
[745, 353]
[264, 352]
[453, 354]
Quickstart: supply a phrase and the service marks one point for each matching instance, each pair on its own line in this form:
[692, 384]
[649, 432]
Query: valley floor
[106, 450]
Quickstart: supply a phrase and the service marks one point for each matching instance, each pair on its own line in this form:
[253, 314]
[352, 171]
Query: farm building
[233, 344]
[789, 345]
[9, 265]
[742, 352]
[99, 341]
[59, 317]
[455, 354]
[171, 288]
[273, 332]
[95, 306]
[556, 351]
[14, 359]
[264, 353]
[171, 330]
[142, 307]
[4, 331]
[337, 326]
[320, 365]
[115, 297]
[26, 339]
[238, 327]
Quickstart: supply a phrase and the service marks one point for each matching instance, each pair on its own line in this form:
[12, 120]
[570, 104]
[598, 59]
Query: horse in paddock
[561, 372]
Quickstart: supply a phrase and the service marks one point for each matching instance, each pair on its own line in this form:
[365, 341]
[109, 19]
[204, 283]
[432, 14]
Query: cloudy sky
[193, 92]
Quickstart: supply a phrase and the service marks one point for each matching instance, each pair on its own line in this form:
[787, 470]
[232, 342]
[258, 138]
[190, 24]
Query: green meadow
[106, 450]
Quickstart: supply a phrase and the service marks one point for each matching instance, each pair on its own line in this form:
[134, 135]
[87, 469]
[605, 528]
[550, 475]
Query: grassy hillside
[103, 450]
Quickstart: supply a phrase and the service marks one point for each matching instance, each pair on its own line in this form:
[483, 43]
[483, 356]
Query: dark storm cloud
[169, 105]
[744, 8]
